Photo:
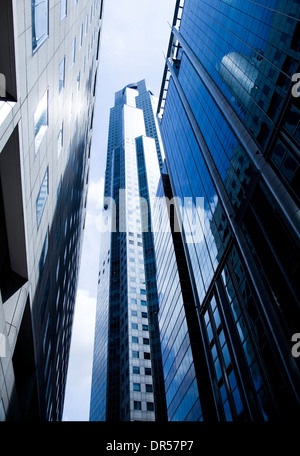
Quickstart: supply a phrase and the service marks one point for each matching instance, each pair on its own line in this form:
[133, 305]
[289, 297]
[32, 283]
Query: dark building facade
[229, 122]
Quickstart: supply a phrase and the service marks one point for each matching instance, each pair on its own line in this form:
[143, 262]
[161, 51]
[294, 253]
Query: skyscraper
[229, 121]
[127, 381]
[49, 62]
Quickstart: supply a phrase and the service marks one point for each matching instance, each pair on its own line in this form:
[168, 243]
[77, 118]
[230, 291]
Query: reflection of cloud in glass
[240, 72]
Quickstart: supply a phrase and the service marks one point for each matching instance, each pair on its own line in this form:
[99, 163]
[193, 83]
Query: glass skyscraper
[127, 381]
[229, 120]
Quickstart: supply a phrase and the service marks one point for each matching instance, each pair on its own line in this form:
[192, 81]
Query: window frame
[43, 38]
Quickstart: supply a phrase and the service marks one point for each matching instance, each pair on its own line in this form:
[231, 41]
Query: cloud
[95, 194]
[80, 366]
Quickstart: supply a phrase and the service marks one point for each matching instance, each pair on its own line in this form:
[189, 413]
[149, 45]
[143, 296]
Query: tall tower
[127, 381]
[48, 78]
[230, 128]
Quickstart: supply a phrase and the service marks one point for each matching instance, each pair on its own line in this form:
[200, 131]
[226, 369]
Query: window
[86, 23]
[135, 369]
[136, 387]
[144, 315]
[59, 190]
[41, 199]
[40, 26]
[63, 9]
[135, 354]
[149, 388]
[145, 341]
[148, 370]
[133, 301]
[135, 340]
[150, 407]
[134, 313]
[62, 74]
[73, 50]
[40, 121]
[145, 327]
[143, 303]
[80, 36]
[60, 140]
[146, 355]
[44, 252]
[143, 292]
[137, 405]
[134, 325]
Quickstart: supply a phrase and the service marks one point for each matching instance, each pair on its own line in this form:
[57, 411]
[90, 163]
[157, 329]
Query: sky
[135, 37]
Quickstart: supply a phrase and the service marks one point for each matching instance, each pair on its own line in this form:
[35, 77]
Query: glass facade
[40, 22]
[229, 125]
[188, 396]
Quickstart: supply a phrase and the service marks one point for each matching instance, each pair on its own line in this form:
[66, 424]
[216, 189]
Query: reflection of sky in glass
[40, 17]
[234, 31]
[40, 120]
[191, 178]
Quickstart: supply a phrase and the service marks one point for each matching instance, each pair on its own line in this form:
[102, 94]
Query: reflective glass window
[63, 9]
[40, 121]
[40, 27]
[136, 387]
[137, 405]
[61, 83]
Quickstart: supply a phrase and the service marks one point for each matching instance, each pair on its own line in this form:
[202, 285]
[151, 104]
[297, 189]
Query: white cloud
[95, 194]
[80, 366]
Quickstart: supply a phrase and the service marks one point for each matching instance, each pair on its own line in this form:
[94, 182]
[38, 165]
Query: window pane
[63, 9]
[73, 51]
[44, 252]
[39, 22]
[150, 406]
[218, 369]
[136, 387]
[137, 405]
[238, 401]
[227, 411]
[40, 121]
[226, 355]
[62, 74]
